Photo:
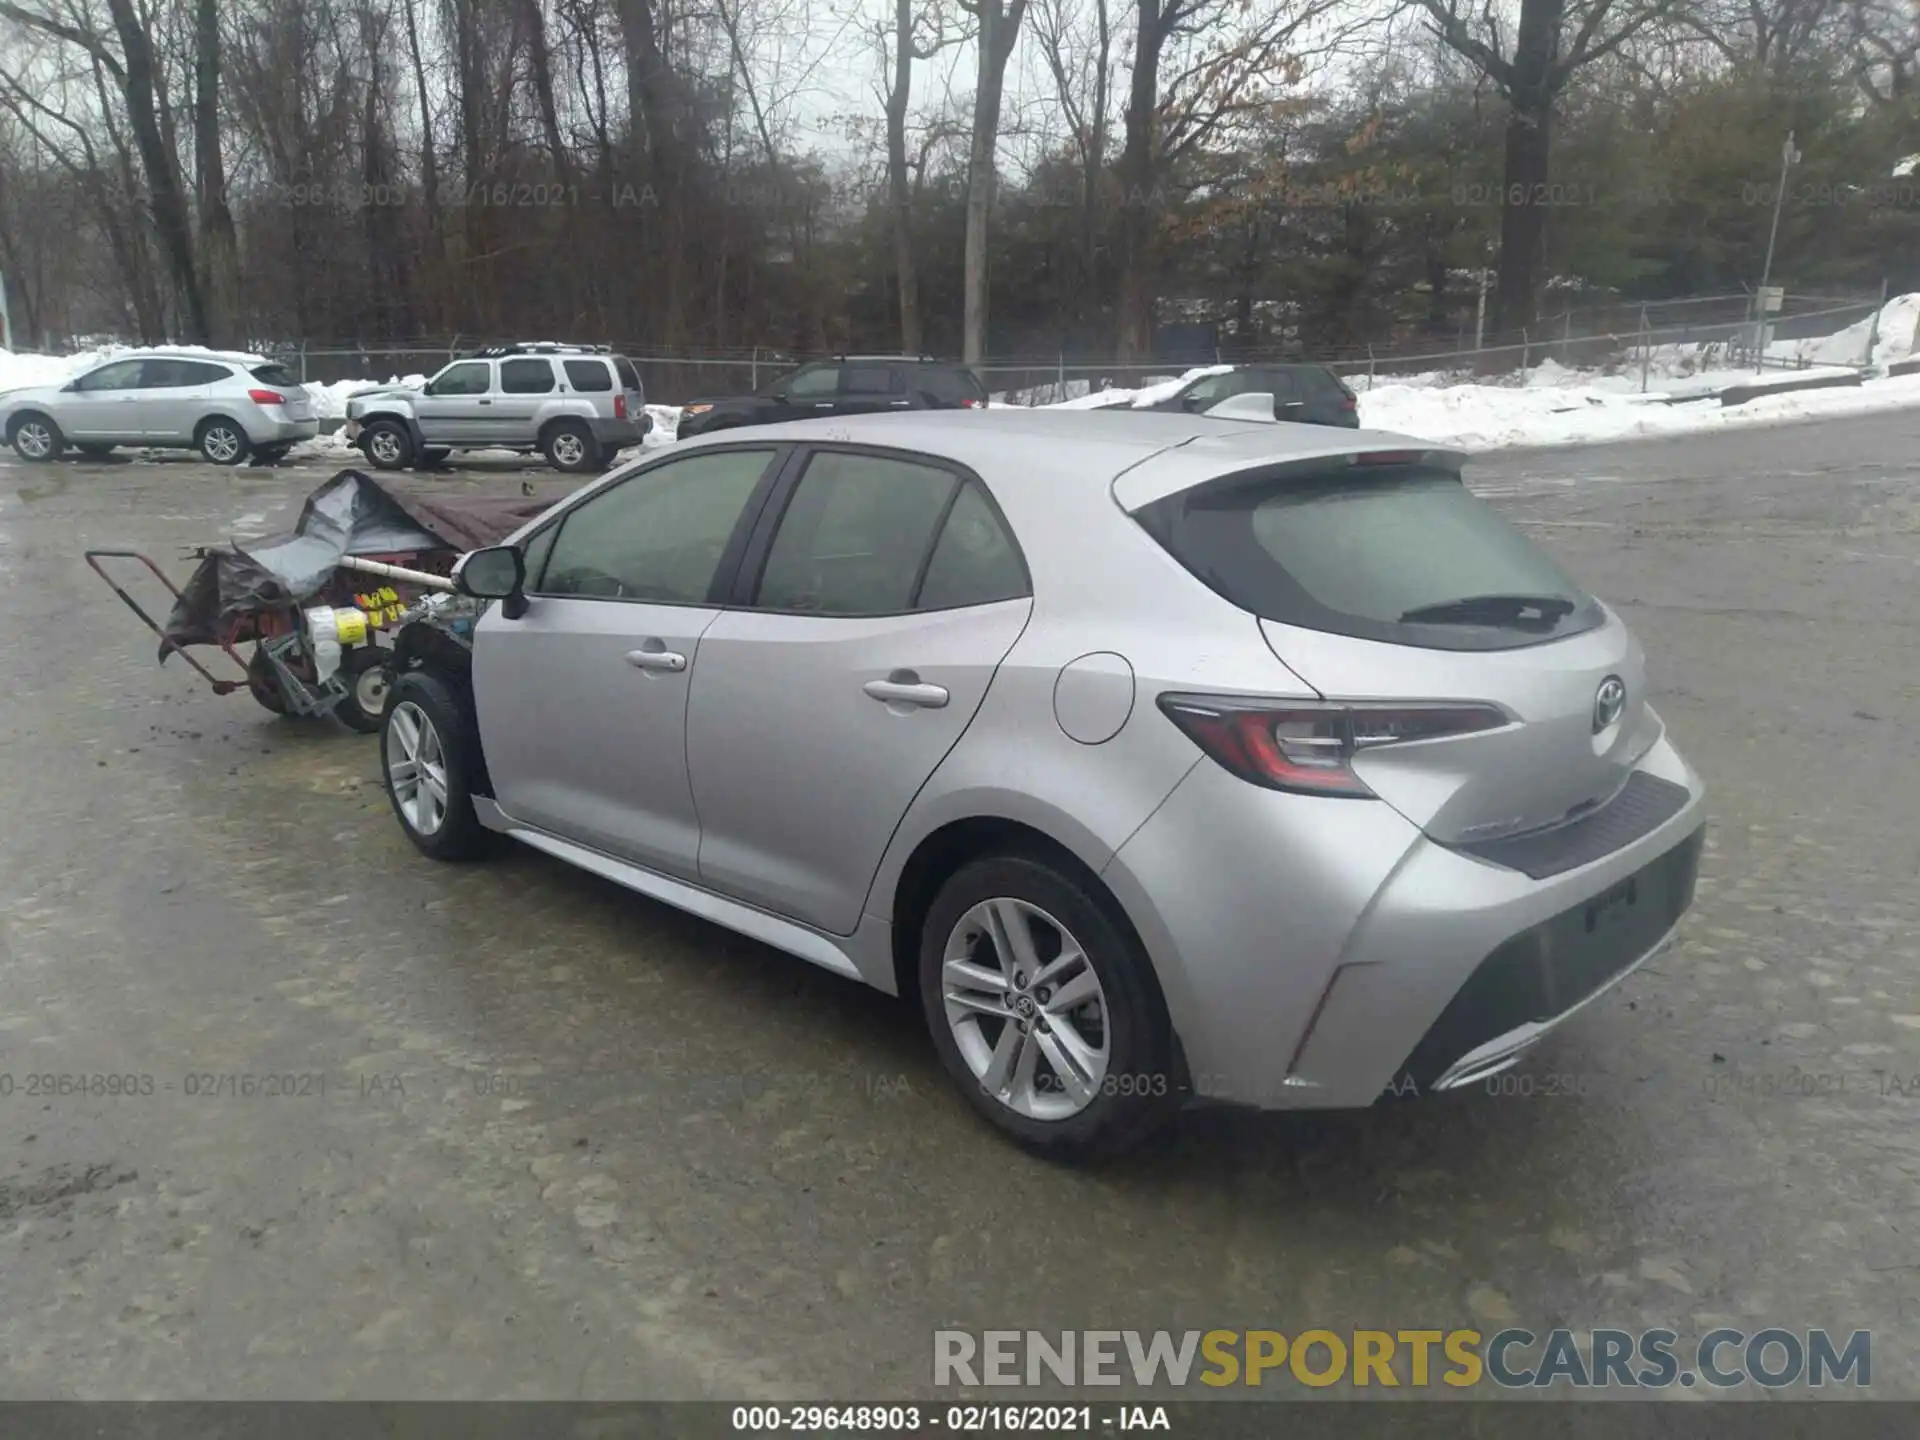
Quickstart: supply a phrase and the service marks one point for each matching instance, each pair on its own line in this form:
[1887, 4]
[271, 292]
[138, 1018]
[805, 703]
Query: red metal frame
[268, 624]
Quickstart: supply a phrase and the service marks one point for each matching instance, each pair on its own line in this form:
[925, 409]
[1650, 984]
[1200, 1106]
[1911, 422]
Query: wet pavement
[288, 1111]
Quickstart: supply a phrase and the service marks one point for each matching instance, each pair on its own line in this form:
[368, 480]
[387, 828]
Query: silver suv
[1151, 755]
[575, 405]
[226, 406]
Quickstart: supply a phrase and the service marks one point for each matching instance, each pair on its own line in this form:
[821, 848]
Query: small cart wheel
[263, 684]
[365, 673]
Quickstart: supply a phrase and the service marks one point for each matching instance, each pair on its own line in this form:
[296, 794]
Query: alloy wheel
[384, 446]
[1026, 1009]
[568, 448]
[416, 768]
[34, 439]
[220, 445]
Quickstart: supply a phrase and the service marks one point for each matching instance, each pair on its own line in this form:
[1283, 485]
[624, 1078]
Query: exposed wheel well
[945, 851]
[386, 415]
[216, 419]
[576, 421]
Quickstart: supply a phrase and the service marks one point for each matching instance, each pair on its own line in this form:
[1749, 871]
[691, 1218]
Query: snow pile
[1156, 389]
[1892, 332]
[1484, 417]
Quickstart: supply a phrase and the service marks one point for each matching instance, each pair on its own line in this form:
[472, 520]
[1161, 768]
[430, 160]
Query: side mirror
[498, 572]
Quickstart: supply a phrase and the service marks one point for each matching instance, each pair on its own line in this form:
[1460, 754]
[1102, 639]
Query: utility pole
[6, 319]
[1788, 157]
[1480, 313]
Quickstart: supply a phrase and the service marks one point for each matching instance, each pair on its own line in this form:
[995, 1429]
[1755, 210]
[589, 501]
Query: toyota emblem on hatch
[1609, 702]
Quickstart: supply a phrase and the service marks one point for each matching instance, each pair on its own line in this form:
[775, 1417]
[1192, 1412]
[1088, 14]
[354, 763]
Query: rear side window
[272, 374]
[855, 536]
[975, 561]
[179, 374]
[526, 377]
[950, 383]
[1400, 553]
[1322, 385]
[629, 377]
[589, 375]
[864, 379]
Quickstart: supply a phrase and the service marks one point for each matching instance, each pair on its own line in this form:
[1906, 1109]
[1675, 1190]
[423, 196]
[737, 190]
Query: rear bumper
[1319, 953]
[276, 430]
[618, 434]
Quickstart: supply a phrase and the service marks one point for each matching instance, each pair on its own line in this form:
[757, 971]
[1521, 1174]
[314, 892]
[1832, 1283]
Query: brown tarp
[354, 514]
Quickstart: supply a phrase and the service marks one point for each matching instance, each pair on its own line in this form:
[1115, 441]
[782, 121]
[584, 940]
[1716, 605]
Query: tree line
[972, 177]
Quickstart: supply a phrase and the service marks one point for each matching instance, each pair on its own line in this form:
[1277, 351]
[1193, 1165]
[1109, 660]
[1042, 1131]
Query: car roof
[1011, 445]
[182, 352]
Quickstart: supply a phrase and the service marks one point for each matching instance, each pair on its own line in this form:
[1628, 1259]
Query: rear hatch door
[1379, 579]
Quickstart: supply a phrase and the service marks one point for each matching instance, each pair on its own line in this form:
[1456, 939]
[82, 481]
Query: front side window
[658, 535]
[855, 535]
[526, 377]
[469, 377]
[121, 375]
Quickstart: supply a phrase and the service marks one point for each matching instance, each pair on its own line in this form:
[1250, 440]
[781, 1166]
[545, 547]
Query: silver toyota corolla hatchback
[1153, 756]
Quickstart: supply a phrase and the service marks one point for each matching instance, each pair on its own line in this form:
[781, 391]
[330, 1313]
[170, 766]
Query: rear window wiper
[1525, 612]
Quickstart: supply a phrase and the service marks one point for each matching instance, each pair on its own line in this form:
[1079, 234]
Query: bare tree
[997, 27]
[1076, 42]
[1532, 69]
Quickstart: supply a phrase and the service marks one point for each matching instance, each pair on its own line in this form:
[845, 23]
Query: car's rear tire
[1095, 1071]
[365, 672]
[429, 754]
[36, 438]
[387, 445]
[570, 446]
[221, 441]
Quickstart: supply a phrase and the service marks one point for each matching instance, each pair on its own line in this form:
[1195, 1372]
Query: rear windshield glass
[1323, 385]
[274, 374]
[1398, 553]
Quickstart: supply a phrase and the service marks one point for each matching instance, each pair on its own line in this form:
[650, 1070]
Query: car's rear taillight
[619, 406]
[1309, 746]
[266, 397]
[973, 404]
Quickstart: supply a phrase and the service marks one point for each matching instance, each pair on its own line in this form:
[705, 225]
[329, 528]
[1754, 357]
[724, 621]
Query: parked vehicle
[850, 385]
[577, 406]
[1153, 756]
[229, 407]
[1306, 394]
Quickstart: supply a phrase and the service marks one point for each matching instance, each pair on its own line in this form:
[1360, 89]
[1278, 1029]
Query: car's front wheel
[387, 445]
[36, 438]
[429, 755]
[1044, 1007]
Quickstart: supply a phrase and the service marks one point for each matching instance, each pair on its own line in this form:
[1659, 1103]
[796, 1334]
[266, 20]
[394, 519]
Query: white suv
[577, 406]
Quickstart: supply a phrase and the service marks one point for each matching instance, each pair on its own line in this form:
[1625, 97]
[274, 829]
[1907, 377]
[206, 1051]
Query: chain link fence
[1657, 338]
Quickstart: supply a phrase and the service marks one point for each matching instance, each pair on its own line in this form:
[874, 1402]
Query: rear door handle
[671, 660]
[907, 692]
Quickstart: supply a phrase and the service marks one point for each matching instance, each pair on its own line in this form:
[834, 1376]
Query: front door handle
[903, 687]
[669, 660]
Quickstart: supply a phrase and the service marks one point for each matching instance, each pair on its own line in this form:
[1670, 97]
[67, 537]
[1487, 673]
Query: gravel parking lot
[537, 1136]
